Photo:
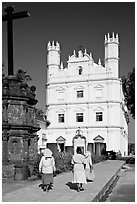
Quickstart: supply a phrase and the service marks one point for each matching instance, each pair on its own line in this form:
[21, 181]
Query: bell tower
[112, 54]
[53, 58]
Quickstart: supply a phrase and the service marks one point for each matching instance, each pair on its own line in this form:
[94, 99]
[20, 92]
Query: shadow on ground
[72, 186]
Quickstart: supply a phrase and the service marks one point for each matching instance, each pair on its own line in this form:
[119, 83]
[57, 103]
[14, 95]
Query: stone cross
[9, 17]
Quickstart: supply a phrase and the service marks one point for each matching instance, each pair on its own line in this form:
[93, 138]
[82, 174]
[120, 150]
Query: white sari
[79, 175]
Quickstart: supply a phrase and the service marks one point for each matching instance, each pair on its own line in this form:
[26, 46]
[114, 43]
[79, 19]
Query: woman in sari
[89, 167]
[79, 176]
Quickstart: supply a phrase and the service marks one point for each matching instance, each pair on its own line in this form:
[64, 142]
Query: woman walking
[47, 167]
[89, 167]
[79, 175]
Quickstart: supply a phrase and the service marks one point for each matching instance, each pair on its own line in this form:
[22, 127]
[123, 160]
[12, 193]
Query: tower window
[99, 116]
[61, 118]
[79, 117]
[80, 70]
[80, 94]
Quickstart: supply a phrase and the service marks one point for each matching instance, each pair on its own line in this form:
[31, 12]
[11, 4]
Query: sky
[72, 24]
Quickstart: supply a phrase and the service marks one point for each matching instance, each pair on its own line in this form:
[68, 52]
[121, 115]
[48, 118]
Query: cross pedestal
[19, 123]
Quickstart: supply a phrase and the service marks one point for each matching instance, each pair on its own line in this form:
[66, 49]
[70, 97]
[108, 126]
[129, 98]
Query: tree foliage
[128, 84]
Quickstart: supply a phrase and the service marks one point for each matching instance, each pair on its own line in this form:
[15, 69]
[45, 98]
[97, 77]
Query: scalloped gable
[74, 58]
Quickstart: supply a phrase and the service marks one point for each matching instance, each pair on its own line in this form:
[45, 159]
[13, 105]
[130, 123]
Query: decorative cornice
[111, 58]
[83, 103]
[85, 127]
[12, 126]
[87, 80]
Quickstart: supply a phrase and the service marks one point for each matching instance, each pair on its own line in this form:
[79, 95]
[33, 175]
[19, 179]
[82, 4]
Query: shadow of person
[42, 186]
[89, 180]
[72, 186]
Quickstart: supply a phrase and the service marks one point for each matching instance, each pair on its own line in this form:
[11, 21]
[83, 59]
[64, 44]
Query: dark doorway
[61, 146]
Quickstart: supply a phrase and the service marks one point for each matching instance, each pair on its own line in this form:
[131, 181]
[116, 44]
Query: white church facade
[86, 97]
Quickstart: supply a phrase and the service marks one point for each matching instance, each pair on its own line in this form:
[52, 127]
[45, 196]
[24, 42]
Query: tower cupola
[53, 56]
[112, 54]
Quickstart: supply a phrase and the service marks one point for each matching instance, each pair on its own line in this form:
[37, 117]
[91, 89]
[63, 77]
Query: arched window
[79, 117]
[99, 116]
[80, 70]
[61, 118]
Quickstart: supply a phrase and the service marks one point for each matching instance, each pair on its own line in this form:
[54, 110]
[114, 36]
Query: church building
[85, 102]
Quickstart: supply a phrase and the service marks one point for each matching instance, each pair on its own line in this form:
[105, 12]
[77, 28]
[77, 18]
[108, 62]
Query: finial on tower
[61, 66]
[49, 45]
[85, 52]
[113, 36]
[105, 38]
[90, 55]
[99, 62]
[117, 39]
[108, 37]
[57, 46]
[53, 46]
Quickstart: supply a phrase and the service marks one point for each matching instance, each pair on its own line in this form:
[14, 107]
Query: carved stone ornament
[5, 135]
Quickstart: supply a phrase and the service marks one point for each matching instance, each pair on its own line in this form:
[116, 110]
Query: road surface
[124, 190]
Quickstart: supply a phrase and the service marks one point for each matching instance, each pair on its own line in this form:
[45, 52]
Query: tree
[128, 84]
[131, 148]
[3, 75]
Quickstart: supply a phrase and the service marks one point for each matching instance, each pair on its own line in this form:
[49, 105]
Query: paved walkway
[64, 190]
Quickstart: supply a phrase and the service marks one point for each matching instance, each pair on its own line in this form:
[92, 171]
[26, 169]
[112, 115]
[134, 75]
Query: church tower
[53, 58]
[112, 54]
